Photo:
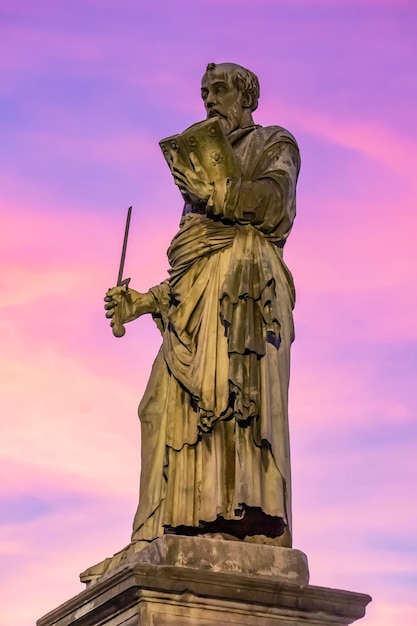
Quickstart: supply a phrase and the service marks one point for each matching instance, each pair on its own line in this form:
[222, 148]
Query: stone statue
[215, 477]
[214, 417]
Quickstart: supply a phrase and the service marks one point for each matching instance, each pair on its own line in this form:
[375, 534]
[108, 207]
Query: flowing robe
[214, 416]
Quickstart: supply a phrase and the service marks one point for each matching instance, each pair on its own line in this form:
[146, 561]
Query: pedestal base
[179, 581]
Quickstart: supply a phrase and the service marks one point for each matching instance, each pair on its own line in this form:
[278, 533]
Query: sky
[87, 90]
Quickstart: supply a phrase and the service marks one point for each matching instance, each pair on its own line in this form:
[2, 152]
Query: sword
[117, 327]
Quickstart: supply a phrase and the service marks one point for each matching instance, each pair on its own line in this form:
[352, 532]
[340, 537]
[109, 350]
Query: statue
[215, 447]
[214, 417]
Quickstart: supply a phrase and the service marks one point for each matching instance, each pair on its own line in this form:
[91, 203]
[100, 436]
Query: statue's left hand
[193, 181]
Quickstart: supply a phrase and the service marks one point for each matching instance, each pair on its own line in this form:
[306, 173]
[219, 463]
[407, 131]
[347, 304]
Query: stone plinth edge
[160, 595]
[219, 555]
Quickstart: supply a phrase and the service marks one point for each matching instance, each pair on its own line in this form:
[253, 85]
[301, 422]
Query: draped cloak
[214, 416]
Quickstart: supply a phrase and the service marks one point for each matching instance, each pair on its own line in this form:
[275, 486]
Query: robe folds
[214, 416]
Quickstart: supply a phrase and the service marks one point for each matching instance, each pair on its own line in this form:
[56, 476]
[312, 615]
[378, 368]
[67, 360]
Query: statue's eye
[204, 94]
[220, 90]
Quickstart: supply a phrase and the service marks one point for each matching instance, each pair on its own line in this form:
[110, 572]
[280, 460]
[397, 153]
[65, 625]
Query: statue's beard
[231, 120]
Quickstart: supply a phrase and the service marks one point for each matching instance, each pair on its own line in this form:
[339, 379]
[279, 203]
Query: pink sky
[87, 89]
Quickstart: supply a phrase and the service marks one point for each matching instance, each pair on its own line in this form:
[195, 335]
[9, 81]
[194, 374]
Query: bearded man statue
[214, 417]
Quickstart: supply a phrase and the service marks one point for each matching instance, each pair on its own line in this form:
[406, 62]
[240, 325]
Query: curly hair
[244, 80]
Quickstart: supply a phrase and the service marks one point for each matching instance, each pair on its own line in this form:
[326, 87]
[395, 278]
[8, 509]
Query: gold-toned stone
[215, 448]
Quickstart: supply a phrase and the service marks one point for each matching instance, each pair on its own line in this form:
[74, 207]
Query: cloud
[65, 420]
[89, 91]
[357, 535]
[383, 144]
[55, 548]
[69, 407]
[121, 150]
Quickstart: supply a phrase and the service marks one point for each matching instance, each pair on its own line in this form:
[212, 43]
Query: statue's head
[230, 92]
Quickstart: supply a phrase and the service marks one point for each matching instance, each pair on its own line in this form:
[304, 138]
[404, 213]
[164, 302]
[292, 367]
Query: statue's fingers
[198, 168]
[195, 161]
[173, 161]
[174, 157]
[180, 181]
[176, 171]
[112, 301]
[185, 174]
[114, 292]
[109, 314]
[184, 191]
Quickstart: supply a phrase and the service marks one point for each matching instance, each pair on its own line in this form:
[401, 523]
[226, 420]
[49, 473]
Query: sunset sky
[87, 89]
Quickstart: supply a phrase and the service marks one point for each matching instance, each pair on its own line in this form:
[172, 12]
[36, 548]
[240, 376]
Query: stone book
[209, 144]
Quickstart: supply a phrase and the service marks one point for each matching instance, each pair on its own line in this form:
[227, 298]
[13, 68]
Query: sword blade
[120, 280]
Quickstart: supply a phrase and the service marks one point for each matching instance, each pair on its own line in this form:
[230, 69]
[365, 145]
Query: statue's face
[222, 99]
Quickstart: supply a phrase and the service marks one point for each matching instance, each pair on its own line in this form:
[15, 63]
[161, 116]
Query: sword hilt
[117, 327]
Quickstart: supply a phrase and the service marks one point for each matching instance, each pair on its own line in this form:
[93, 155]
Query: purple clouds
[87, 89]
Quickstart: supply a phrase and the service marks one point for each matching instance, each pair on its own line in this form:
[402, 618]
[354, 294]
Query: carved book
[211, 146]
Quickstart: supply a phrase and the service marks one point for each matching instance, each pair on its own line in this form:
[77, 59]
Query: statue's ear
[247, 100]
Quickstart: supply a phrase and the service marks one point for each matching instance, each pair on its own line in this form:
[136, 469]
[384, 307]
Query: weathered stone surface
[218, 555]
[215, 553]
[166, 585]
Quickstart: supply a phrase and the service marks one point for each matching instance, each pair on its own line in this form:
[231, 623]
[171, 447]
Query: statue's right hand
[124, 305]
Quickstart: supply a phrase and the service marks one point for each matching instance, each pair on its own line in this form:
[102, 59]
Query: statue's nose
[210, 100]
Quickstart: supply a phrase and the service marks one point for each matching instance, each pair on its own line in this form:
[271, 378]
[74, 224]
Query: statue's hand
[193, 181]
[124, 305]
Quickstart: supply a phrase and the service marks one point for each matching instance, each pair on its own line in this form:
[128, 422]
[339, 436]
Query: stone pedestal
[189, 581]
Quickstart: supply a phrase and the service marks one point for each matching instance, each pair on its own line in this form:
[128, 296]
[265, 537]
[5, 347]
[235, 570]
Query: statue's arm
[268, 201]
[162, 299]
